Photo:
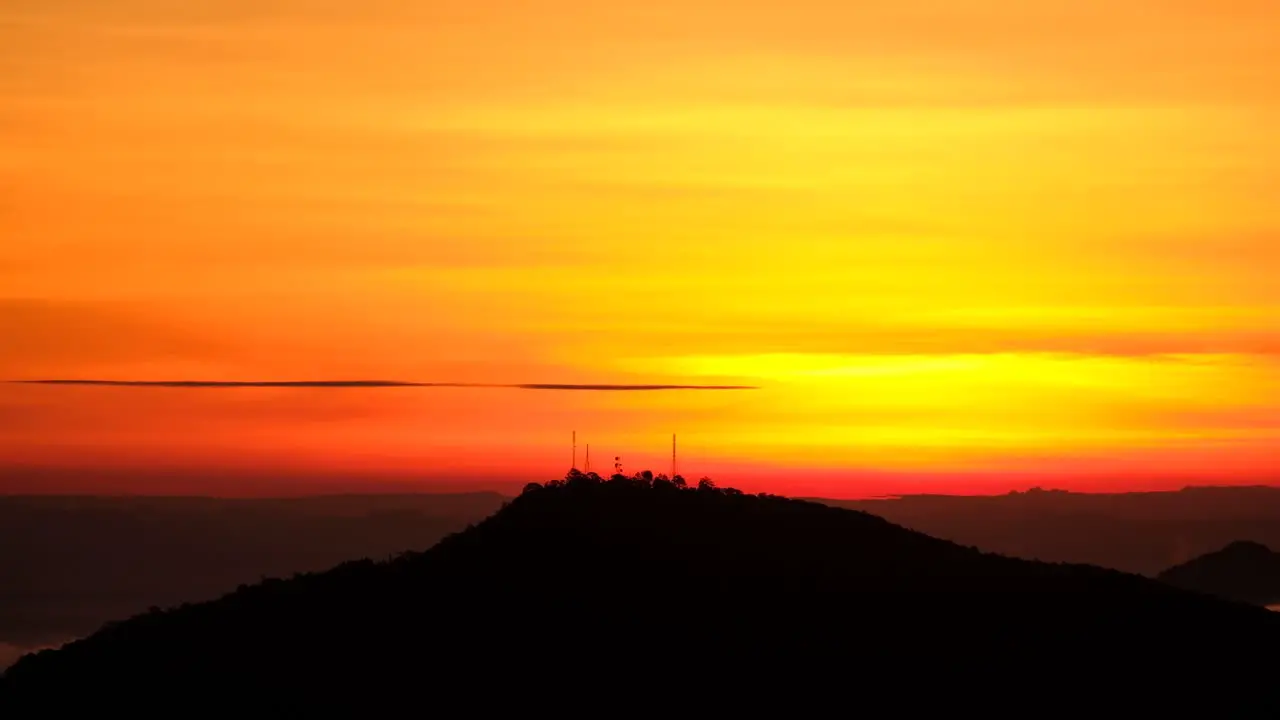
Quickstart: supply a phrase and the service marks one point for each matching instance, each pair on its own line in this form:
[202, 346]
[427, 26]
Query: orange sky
[960, 246]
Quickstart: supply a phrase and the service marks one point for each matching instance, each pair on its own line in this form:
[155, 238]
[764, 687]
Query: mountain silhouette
[590, 596]
[1244, 571]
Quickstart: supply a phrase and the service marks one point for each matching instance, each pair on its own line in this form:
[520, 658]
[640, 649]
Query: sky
[962, 246]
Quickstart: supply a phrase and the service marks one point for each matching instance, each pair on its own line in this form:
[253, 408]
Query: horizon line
[374, 384]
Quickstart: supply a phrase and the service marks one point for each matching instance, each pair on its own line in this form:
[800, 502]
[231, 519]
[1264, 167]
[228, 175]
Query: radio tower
[587, 469]
[673, 455]
[574, 466]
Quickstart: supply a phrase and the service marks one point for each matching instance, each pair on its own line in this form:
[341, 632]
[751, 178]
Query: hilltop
[1244, 571]
[585, 595]
[71, 563]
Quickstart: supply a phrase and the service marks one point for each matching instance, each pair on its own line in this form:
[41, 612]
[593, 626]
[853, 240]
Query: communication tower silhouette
[674, 464]
[617, 461]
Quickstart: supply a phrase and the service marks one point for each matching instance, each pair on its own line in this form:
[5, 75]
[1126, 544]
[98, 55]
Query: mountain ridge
[619, 582]
[1245, 571]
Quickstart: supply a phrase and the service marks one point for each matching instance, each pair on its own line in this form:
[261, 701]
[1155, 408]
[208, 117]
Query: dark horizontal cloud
[632, 387]
[372, 384]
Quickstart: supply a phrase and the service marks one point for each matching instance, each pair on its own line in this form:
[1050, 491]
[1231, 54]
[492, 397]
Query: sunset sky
[960, 246]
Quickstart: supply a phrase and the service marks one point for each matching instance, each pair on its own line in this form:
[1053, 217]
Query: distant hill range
[634, 595]
[1244, 571]
[70, 563]
[1141, 532]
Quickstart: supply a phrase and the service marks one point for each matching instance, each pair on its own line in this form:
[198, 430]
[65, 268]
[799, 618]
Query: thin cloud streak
[372, 384]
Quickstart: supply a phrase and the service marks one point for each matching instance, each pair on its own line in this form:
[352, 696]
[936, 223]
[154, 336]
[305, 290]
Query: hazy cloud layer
[49, 334]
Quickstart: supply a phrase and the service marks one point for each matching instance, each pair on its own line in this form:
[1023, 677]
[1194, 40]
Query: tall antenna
[673, 455]
[587, 469]
[574, 466]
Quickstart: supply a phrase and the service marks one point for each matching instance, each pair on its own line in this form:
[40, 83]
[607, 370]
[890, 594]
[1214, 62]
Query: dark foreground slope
[602, 597]
[1243, 571]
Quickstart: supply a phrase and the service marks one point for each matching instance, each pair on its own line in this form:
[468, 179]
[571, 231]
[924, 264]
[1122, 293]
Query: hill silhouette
[595, 596]
[1138, 532]
[1244, 571]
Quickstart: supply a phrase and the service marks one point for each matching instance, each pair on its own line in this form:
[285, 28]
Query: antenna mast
[574, 466]
[587, 469]
[673, 455]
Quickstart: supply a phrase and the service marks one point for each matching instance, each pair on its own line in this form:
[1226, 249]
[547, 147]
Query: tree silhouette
[576, 478]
